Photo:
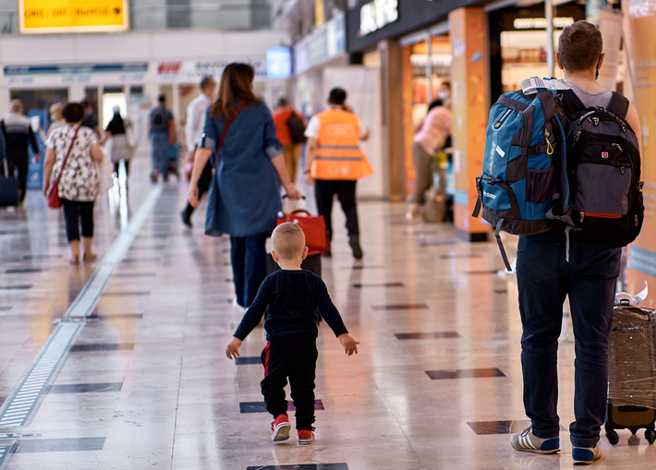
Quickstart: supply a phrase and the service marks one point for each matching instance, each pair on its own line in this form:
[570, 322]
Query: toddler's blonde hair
[288, 241]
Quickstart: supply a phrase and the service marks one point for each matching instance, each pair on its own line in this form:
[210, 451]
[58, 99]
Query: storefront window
[415, 90]
[523, 54]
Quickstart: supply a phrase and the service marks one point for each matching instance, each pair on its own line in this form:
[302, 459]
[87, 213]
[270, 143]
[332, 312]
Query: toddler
[290, 298]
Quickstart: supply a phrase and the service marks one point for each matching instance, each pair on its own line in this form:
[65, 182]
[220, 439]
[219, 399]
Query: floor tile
[82, 444]
[435, 335]
[102, 347]
[464, 374]
[87, 388]
[400, 307]
[310, 466]
[242, 361]
[260, 407]
[25, 271]
[383, 284]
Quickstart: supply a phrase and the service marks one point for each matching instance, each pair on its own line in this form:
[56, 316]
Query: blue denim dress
[248, 196]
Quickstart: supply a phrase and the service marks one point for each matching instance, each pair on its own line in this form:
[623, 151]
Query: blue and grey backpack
[549, 161]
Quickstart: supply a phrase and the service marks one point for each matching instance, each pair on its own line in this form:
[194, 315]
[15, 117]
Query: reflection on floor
[437, 383]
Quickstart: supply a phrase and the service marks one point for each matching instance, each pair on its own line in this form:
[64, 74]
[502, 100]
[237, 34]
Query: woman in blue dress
[250, 170]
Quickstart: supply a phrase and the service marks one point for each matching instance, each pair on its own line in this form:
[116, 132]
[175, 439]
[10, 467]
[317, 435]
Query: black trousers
[203, 186]
[19, 163]
[293, 357]
[325, 191]
[78, 213]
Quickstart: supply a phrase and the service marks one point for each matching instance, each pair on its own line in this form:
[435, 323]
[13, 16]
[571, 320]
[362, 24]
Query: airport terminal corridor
[140, 379]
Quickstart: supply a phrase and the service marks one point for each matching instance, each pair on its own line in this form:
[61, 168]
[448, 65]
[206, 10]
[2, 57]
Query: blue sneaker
[586, 455]
[526, 441]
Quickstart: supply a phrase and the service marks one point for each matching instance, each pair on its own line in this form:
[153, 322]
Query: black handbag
[8, 188]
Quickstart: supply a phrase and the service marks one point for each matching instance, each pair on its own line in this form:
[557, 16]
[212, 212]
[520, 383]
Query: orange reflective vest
[338, 154]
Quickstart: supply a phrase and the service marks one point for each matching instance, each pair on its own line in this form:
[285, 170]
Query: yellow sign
[73, 16]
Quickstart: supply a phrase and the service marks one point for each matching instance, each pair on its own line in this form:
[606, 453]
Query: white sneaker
[526, 441]
[586, 455]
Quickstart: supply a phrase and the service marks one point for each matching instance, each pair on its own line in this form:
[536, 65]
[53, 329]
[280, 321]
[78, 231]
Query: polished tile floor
[437, 383]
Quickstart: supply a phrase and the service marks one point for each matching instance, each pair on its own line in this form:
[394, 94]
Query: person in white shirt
[194, 129]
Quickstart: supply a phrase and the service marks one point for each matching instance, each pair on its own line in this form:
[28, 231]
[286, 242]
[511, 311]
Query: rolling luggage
[8, 187]
[314, 228]
[172, 155]
[632, 373]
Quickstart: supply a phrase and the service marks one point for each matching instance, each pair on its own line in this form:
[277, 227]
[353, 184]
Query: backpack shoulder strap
[571, 102]
[619, 105]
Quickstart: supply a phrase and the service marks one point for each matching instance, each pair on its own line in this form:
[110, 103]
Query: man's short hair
[73, 112]
[162, 99]
[84, 104]
[16, 106]
[580, 46]
[206, 82]
[288, 241]
[337, 96]
[283, 102]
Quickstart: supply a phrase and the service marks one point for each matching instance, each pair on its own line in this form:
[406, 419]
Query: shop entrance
[518, 44]
[425, 79]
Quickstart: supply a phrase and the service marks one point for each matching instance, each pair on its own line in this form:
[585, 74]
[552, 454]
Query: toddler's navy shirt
[290, 299]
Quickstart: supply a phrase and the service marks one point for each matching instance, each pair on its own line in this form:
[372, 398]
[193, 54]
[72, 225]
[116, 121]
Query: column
[640, 47]
[392, 101]
[470, 90]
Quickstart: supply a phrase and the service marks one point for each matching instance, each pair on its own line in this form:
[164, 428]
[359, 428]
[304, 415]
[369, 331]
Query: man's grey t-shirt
[591, 99]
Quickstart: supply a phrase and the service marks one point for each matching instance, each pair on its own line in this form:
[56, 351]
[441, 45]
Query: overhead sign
[65, 74]
[541, 23]
[376, 14]
[194, 71]
[279, 62]
[72, 16]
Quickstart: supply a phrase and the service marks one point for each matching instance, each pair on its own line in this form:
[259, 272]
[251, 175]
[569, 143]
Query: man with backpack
[162, 135]
[290, 131]
[572, 191]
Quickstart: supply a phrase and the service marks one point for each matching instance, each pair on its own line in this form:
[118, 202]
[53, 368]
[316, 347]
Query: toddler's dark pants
[293, 356]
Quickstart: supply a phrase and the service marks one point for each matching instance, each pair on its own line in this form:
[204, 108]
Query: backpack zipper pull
[577, 137]
[622, 170]
[618, 146]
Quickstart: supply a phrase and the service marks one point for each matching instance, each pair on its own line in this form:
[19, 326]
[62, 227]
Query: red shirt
[280, 118]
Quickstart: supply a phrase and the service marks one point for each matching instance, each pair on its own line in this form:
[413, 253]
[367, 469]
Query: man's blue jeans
[544, 279]
[248, 256]
[159, 146]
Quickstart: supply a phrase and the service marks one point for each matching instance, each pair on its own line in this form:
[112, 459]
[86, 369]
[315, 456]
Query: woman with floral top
[79, 183]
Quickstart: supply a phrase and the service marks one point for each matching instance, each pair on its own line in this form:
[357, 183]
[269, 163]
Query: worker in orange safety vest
[334, 163]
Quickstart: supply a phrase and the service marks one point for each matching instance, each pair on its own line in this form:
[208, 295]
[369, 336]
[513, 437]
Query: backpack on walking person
[159, 121]
[296, 128]
[549, 158]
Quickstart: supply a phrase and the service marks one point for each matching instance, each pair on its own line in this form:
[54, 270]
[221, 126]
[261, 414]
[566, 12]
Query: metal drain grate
[18, 407]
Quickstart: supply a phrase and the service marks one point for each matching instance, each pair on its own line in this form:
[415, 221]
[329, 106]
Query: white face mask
[52, 117]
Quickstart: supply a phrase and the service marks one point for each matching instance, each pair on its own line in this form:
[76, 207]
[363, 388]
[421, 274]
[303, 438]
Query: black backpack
[296, 129]
[603, 205]
[158, 120]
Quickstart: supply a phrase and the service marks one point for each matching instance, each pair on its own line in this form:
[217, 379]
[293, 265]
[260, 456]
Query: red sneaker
[305, 437]
[280, 428]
